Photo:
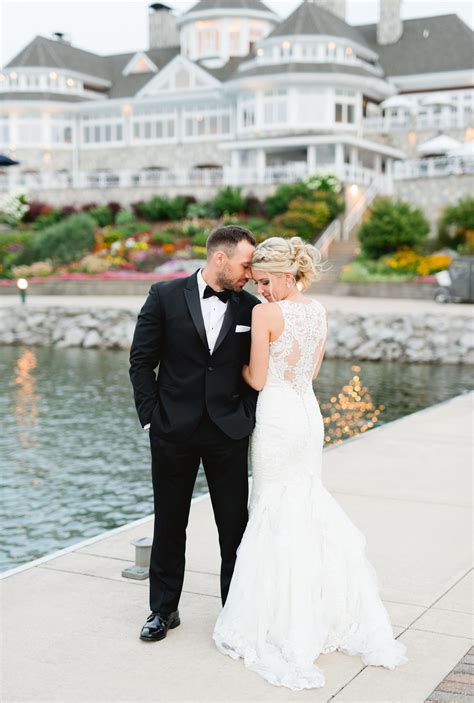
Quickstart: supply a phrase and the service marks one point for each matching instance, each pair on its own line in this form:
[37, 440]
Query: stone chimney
[162, 29]
[337, 7]
[390, 27]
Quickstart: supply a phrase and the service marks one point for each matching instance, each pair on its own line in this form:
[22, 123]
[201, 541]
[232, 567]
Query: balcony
[290, 172]
[407, 123]
[436, 167]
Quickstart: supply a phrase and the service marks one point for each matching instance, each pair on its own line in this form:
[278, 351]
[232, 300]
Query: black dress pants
[174, 470]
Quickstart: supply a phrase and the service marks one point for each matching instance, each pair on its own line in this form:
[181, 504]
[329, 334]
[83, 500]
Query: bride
[302, 584]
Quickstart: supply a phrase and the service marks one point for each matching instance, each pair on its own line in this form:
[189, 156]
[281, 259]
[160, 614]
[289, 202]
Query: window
[274, 107]
[234, 41]
[325, 154]
[207, 121]
[29, 131]
[345, 106]
[150, 123]
[102, 129]
[61, 132]
[208, 37]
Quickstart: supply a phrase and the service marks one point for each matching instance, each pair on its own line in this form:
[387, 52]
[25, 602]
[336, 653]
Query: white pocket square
[242, 328]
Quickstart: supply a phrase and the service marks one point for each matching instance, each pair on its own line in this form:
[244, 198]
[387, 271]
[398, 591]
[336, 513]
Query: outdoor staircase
[339, 243]
[340, 254]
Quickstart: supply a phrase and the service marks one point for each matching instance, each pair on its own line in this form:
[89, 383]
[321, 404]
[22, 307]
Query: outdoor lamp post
[22, 284]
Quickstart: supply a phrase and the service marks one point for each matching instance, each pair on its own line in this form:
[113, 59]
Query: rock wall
[411, 338]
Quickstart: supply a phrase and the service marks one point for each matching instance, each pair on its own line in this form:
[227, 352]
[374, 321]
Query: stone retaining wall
[412, 338]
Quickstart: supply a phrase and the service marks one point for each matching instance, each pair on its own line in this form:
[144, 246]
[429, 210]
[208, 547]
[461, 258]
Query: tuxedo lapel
[191, 294]
[229, 319]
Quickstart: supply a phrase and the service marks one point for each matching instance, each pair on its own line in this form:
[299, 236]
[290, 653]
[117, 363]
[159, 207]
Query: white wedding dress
[302, 584]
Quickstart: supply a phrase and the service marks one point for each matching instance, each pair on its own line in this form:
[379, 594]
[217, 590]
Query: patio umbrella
[6, 161]
[464, 149]
[397, 101]
[441, 144]
[438, 100]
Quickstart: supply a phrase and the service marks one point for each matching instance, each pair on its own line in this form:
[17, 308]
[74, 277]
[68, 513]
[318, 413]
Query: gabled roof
[55, 54]
[204, 5]
[309, 18]
[127, 86]
[58, 54]
[448, 46]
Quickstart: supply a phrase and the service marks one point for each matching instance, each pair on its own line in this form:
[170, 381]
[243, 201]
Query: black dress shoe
[157, 626]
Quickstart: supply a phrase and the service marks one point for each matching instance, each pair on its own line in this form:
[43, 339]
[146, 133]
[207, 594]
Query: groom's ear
[219, 257]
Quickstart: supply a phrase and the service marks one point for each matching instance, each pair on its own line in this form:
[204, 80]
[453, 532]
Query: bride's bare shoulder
[266, 311]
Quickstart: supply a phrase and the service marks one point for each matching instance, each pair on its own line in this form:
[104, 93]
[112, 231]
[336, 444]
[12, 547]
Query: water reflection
[75, 462]
[351, 411]
[25, 408]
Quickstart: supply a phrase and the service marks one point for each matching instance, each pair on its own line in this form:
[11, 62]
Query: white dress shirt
[213, 311]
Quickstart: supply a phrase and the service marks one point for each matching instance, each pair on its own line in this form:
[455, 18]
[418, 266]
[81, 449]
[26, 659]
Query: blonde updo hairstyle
[278, 255]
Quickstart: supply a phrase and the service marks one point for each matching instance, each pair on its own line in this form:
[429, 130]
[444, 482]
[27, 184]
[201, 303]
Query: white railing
[163, 178]
[388, 123]
[356, 213]
[329, 235]
[337, 230]
[435, 167]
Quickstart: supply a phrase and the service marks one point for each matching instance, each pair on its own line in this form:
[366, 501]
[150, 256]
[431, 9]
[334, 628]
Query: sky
[121, 26]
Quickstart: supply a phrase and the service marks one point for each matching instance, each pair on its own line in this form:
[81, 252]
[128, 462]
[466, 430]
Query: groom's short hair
[226, 239]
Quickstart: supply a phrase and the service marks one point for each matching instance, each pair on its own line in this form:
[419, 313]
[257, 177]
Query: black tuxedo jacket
[170, 335]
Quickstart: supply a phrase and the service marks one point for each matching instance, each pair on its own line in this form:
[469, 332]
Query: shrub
[161, 208]
[114, 208]
[51, 217]
[456, 221]
[202, 209]
[92, 264]
[103, 215]
[12, 246]
[68, 210]
[304, 219]
[164, 236]
[36, 208]
[13, 206]
[392, 225]
[254, 207]
[39, 268]
[334, 202]
[124, 217]
[279, 202]
[227, 200]
[63, 242]
[328, 184]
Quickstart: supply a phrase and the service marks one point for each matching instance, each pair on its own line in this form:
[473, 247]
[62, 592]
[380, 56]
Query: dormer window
[140, 63]
[141, 66]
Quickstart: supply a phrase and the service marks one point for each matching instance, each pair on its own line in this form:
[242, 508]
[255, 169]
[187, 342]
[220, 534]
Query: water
[75, 461]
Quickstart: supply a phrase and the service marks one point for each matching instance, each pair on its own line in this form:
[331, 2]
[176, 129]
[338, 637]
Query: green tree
[392, 225]
[455, 222]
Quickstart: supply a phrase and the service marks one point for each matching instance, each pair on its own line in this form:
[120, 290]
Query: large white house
[228, 92]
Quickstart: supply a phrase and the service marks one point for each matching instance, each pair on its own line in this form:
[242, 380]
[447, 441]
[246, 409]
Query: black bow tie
[223, 295]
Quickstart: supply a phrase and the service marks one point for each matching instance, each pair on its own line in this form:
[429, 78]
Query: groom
[196, 330]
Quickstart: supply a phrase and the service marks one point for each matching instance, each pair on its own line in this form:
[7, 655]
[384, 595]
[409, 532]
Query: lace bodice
[296, 352]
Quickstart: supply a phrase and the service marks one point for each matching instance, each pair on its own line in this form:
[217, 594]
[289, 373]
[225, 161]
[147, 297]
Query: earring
[288, 284]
